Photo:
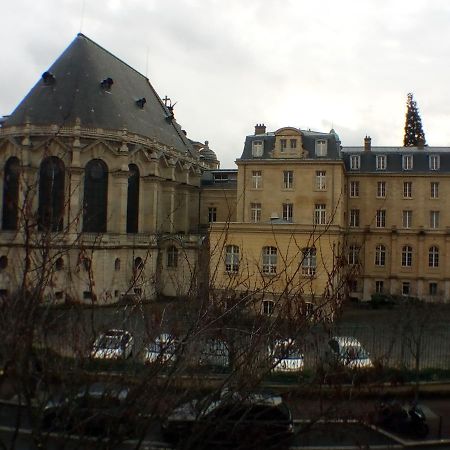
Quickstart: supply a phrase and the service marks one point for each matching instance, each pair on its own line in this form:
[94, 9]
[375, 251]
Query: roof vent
[141, 102]
[107, 83]
[48, 78]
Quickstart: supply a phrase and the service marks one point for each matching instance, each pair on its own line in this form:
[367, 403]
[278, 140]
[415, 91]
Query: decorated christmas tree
[414, 135]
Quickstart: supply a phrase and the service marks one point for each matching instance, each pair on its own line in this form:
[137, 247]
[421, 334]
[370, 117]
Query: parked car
[113, 344]
[98, 409]
[285, 356]
[349, 352]
[162, 349]
[213, 352]
[232, 421]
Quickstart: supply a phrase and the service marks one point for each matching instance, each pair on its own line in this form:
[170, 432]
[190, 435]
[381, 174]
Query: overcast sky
[230, 64]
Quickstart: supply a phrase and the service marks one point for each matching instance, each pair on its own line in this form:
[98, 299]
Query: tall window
[380, 221]
[133, 199]
[255, 212]
[434, 162]
[381, 162]
[380, 255]
[11, 194]
[434, 189]
[172, 256]
[283, 144]
[256, 179]
[257, 149]
[293, 143]
[355, 162]
[320, 214]
[288, 211]
[406, 288]
[433, 256]
[212, 214]
[354, 217]
[95, 196]
[407, 189]
[269, 256]
[354, 188]
[407, 162]
[51, 194]
[268, 307]
[381, 189]
[407, 218]
[309, 261]
[406, 256]
[433, 288]
[353, 255]
[321, 147]
[321, 180]
[288, 179]
[434, 219]
[379, 286]
[232, 258]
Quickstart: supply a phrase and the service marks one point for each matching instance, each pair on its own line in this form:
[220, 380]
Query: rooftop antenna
[83, 5]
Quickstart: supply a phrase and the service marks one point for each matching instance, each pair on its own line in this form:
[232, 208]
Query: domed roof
[207, 154]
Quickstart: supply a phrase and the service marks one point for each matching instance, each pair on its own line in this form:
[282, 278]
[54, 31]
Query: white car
[348, 351]
[163, 349]
[113, 344]
[285, 356]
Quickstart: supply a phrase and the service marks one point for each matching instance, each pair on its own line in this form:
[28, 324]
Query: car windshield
[162, 347]
[286, 350]
[108, 342]
[354, 352]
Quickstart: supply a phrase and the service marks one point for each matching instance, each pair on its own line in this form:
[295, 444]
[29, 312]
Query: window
[283, 144]
[407, 162]
[232, 258]
[288, 179]
[95, 196]
[87, 264]
[432, 288]
[212, 214]
[172, 256]
[354, 217]
[407, 189]
[11, 194]
[380, 255]
[355, 161]
[352, 285]
[406, 288]
[269, 261]
[433, 256]
[380, 162]
[51, 194]
[257, 149]
[288, 211]
[354, 188]
[138, 263]
[117, 265]
[255, 212]
[268, 307]
[406, 256]
[309, 261]
[293, 143]
[380, 218]
[256, 179]
[379, 286]
[434, 188]
[407, 219]
[434, 162]
[321, 180]
[320, 214]
[353, 255]
[434, 219]
[3, 262]
[381, 189]
[321, 147]
[133, 199]
[59, 264]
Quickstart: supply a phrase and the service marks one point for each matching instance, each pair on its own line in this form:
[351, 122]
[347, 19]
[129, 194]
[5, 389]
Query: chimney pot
[367, 144]
[260, 128]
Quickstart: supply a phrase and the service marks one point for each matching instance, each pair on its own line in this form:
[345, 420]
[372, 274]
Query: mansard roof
[72, 89]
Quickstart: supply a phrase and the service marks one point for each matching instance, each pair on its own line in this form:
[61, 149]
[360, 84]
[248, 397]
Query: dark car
[98, 409]
[231, 421]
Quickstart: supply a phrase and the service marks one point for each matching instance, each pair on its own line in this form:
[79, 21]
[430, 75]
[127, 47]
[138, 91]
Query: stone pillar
[117, 203]
[150, 205]
[74, 202]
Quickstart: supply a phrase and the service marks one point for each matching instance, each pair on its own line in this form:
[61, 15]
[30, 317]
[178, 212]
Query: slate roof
[76, 93]
[394, 159]
[309, 143]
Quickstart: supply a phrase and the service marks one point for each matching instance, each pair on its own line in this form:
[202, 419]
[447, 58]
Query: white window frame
[321, 147]
[380, 255]
[288, 212]
[406, 288]
[232, 258]
[255, 212]
[355, 162]
[380, 218]
[309, 261]
[407, 253]
[257, 148]
[256, 179]
[321, 180]
[407, 162]
[434, 219]
[269, 259]
[354, 189]
[381, 189]
[380, 162]
[354, 217]
[288, 179]
[433, 256]
[407, 218]
[320, 214]
[434, 189]
[434, 162]
[212, 214]
[353, 255]
[407, 189]
[267, 307]
[379, 286]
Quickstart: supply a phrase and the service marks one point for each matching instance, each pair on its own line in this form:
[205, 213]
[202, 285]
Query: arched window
[138, 263]
[51, 194]
[3, 262]
[59, 264]
[380, 255]
[309, 261]
[269, 256]
[95, 205]
[133, 199]
[87, 264]
[11, 194]
[117, 265]
[232, 258]
[172, 256]
[406, 256]
[433, 256]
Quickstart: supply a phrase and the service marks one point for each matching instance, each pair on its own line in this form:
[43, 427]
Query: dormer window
[434, 162]
[355, 162]
[321, 147]
[283, 144]
[407, 162]
[293, 143]
[381, 162]
[257, 149]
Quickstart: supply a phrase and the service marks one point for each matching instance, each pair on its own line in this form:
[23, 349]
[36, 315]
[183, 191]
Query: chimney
[367, 143]
[260, 128]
